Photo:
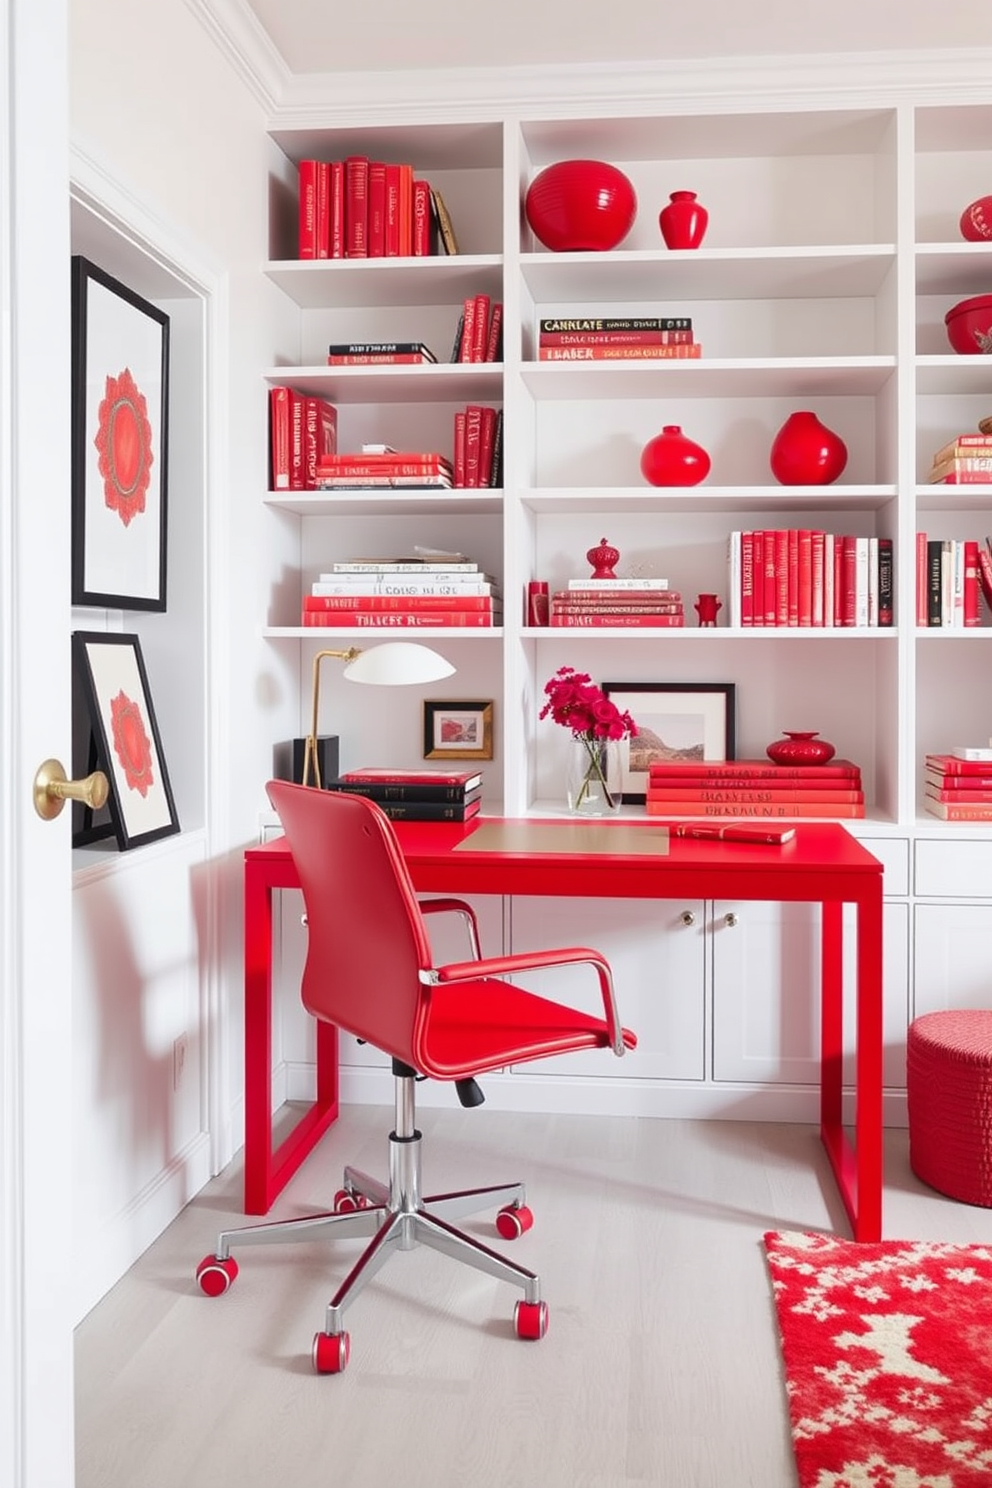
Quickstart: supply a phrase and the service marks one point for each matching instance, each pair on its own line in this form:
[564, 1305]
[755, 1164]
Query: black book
[459, 331]
[885, 590]
[379, 348]
[429, 810]
[381, 791]
[496, 466]
[620, 323]
[933, 582]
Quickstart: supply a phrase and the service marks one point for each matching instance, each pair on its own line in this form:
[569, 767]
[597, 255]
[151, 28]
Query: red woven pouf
[949, 1097]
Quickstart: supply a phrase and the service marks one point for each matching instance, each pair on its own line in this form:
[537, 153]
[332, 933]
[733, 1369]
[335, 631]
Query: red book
[337, 209]
[377, 209]
[817, 559]
[494, 343]
[949, 812]
[487, 436]
[985, 574]
[972, 615]
[955, 783]
[323, 222]
[459, 448]
[380, 359]
[392, 211]
[356, 206]
[804, 570]
[949, 764]
[838, 580]
[406, 211]
[480, 331]
[758, 544]
[975, 797]
[966, 478]
[468, 330]
[849, 581]
[659, 789]
[615, 338]
[755, 769]
[297, 456]
[397, 620]
[414, 464]
[783, 583]
[320, 437]
[747, 578]
[435, 602]
[922, 579]
[423, 220]
[630, 595]
[373, 774]
[691, 352]
[473, 440]
[964, 444]
[307, 242]
[660, 604]
[593, 620]
[279, 459]
[673, 806]
[774, 835]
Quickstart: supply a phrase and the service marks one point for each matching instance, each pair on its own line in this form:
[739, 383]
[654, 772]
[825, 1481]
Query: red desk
[823, 865]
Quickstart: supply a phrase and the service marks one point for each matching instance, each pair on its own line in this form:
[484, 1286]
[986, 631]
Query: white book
[618, 583]
[947, 582]
[957, 595]
[969, 752]
[873, 581]
[399, 584]
[828, 579]
[373, 565]
[861, 581]
[734, 576]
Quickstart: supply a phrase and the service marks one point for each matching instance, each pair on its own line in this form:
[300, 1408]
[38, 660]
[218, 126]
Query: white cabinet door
[951, 957]
[658, 962]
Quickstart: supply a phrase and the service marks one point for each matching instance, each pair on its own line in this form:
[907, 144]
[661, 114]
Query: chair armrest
[457, 906]
[471, 971]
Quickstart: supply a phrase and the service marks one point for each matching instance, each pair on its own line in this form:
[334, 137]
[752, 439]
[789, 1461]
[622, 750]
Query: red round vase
[800, 749]
[976, 221]
[580, 206]
[672, 459]
[684, 221]
[806, 453]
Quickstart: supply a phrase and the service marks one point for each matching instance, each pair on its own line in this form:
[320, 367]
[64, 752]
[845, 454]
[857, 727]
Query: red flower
[131, 743]
[124, 442]
[578, 704]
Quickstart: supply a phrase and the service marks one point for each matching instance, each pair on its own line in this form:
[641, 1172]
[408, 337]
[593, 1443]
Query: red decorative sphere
[684, 221]
[800, 749]
[969, 326]
[806, 453]
[976, 221]
[672, 459]
[580, 206]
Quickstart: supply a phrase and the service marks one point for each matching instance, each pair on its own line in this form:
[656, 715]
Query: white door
[36, 1446]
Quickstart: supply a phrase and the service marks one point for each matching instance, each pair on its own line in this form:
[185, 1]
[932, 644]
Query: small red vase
[976, 220]
[604, 559]
[684, 221]
[806, 453]
[800, 749]
[672, 459]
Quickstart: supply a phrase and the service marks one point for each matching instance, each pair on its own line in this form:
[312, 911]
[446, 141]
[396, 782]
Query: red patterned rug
[888, 1360]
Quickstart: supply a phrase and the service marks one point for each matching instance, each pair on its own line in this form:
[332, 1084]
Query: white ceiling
[319, 36]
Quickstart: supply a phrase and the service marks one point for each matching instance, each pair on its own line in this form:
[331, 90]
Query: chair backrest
[366, 935]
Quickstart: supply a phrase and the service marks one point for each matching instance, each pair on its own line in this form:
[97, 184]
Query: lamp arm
[310, 761]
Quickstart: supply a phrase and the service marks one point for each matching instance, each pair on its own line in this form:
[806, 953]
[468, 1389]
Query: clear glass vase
[593, 780]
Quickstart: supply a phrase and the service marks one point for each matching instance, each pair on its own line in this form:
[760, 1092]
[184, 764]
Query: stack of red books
[754, 788]
[958, 789]
[363, 470]
[625, 602]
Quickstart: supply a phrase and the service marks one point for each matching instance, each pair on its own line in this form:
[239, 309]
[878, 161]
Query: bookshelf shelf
[376, 282]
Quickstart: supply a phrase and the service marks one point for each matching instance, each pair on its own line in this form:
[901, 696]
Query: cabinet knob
[687, 917]
[731, 919]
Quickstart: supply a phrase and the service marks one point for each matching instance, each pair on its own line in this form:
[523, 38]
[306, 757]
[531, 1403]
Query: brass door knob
[52, 789]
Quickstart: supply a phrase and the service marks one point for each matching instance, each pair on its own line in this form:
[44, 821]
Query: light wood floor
[660, 1369]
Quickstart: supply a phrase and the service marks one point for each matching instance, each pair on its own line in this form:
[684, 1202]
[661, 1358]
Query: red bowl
[969, 326]
[580, 206]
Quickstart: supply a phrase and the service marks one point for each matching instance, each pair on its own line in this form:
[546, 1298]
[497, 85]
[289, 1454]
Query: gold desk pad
[570, 838]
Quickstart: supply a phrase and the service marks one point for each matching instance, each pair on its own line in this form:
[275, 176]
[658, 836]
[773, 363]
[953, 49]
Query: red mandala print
[131, 743]
[124, 442]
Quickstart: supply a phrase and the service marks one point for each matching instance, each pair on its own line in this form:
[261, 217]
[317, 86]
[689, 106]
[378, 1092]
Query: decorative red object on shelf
[684, 221]
[969, 326]
[671, 458]
[580, 206]
[604, 560]
[806, 453]
[706, 607]
[976, 220]
[800, 749]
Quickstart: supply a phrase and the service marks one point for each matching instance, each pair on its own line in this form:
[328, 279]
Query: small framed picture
[120, 388]
[458, 729]
[111, 673]
[675, 721]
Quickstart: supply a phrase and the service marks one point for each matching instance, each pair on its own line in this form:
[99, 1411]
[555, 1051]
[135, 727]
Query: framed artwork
[675, 721]
[120, 421]
[458, 729]
[111, 673]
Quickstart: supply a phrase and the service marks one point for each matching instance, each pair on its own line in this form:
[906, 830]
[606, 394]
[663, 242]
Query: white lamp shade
[397, 663]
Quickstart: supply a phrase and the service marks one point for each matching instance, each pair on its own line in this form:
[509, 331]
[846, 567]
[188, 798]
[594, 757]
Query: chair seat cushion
[473, 1027]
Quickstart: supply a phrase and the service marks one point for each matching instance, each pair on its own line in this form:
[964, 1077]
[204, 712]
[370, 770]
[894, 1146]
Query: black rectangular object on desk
[289, 758]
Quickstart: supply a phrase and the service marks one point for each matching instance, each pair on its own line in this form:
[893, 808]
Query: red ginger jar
[580, 205]
[806, 453]
[684, 221]
[800, 749]
[672, 459]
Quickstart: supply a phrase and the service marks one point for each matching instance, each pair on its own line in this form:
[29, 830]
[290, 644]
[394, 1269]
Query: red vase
[806, 453]
[684, 221]
[800, 749]
[672, 459]
[976, 221]
[580, 205]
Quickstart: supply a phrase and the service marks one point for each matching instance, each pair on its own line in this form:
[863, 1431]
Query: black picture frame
[706, 727]
[120, 427]
[113, 683]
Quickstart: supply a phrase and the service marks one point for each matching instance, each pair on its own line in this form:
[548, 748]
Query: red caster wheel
[513, 1220]
[214, 1275]
[530, 1319]
[345, 1202]
[330, 1352]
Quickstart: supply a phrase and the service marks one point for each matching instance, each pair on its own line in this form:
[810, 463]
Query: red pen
[774, 835]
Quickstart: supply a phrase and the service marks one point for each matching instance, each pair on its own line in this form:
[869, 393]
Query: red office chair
[369, 970]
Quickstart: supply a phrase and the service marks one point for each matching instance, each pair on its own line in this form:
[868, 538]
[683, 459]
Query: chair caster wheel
[345, 1202]
[513, 1220]
[330, 1352]
[530, 1319]
[214, 1276]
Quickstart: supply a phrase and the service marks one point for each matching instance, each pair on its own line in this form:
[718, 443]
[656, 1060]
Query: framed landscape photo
[458, 729]
[120, 421]
[675, 721]
[111, 674]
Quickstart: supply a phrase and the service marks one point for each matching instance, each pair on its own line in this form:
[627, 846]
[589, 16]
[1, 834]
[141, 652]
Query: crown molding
[249, 49]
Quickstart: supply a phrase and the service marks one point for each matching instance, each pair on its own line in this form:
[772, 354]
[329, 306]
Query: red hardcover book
[377, 209]
[487, 436]
[297, 453]
[742, 833]
[985, 574]
[323, 220]
[398, 620]
[473, 441]
[977, 464]
[966, 478]
[392, 211]
[307, 240]
[484, 603]
[758, 545]
[494, 342]
[691, 352]
[480, 328]
[804, 572]
[615, 338]
[939, 781]
[468, 330]
[784, 584]
[753, 769]
[459, 448]
[592, 621]
[849, 580]
[320, 437]
[922, 579]
[337, 209]
[279, 457]
[406, 211]
[672, 806]
[949, 764]
[382, 775]
[356, 206]
[747, 578]
[380, 359]
[659, 789]
[817, 559]
[423, 220]
[949, 812]
[658, 604]
[412, 464]
[972, 797]
[771, 576]
[616, 589]
[972, 606]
